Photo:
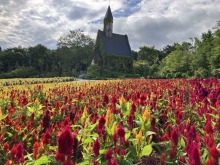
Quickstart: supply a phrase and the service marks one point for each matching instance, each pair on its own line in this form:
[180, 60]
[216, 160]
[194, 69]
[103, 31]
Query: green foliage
[75, 38]
[176, 64]
[94, 71]
[150, 54]
[22, 72]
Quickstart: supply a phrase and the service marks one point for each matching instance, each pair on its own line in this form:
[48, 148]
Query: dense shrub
[23, 72]
[94, 71]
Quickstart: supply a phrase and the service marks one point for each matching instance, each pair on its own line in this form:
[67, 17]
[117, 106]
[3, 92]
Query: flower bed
[112, 122]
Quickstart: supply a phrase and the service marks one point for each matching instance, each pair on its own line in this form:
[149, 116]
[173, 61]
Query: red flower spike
[46, 137]
[14, 152]
[65, 142]
[20, 154]
[101, 121]
[162, 159]
[214, 152]
[194, 157]
[108, 154]
[96, 147]
[60, 157]
[5, 147]
[174, 136]
[114, 161]
[121, 131]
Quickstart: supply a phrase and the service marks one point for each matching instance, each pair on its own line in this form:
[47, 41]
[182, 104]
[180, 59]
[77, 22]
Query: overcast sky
[146, 22]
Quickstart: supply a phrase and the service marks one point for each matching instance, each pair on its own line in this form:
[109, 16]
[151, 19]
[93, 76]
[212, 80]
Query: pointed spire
[108, 14]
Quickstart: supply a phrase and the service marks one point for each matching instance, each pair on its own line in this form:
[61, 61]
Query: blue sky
[146, 22]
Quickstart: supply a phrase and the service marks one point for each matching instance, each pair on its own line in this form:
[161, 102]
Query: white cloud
[149, 22]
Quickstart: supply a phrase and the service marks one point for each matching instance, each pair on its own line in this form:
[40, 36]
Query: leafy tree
[215, 58]
[203, 50]
[77, 51]
[149, 54]
[177, 63]
[76, 38]
[134, 55]
[38, 58]
[167, 50]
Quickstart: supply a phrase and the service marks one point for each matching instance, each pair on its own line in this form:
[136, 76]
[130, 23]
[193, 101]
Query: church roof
[108, 14]
[117, 45]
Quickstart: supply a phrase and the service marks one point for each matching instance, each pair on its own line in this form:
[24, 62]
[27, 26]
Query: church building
[112, 51]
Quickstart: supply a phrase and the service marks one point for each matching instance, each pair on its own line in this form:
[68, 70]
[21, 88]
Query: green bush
[93, 71]
[22, 72]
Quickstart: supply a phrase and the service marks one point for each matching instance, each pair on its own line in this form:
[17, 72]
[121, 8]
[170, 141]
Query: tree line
[75, 51]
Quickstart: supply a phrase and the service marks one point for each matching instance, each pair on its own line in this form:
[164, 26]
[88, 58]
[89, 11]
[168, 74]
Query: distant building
[112, 51]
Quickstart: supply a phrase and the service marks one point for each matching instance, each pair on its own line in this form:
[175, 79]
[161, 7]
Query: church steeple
[108, 23]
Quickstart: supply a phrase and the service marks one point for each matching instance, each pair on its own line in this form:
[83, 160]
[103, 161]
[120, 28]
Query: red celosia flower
[68, 162]
[105, 99]
[60, 157]
[182, 160]
[17, 153]
[20, 154]
[115, 138]
[173, 151]
[35, 150]
[117, 150]
[101, 121]
[5, 147]
[121, 131]
[208, 125]
[214, 152]
[192, 132]
[46, 120]
[217, 125]
[114, 99]
[96, 147]
[66, 122]
[194, 157]
[108, 154]
[14, 152]
[123, 153]
[133, 108]
[65, 142]
[209, 140]
[174, 136]
[46, 137]
[114, 161]
[8, 162]
[162, 159]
